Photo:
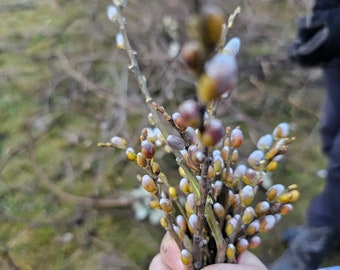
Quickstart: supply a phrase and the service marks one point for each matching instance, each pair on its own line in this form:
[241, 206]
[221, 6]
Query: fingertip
[157, 264]
[248, 258]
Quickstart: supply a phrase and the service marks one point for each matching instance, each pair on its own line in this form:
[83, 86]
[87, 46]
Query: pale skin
[169, 258]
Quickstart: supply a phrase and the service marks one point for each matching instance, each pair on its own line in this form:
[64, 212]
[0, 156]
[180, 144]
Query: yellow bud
[173, 193]
[207, 89]
[246, 195]
[141, 160]
[164, 222]
[184, 185]
[154, 204]
[248, 215]
[149, 184]
[253, 227]
[219, 210]
[166, 205]
[130, 154]
[186, 257]
[271, 166]
[230, 228]
[155, 168]
[230, 252]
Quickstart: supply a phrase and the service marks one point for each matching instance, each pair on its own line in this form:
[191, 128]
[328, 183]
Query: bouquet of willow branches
[210, 212]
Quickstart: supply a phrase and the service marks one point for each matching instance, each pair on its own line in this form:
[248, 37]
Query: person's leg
[321, 234]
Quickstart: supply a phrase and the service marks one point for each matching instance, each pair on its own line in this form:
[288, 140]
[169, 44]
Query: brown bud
[190, 113]
[175, 142]
[213, 132]
[141, 160]
[192, 55]
[148, 149]
[178, 121]
[253, 227]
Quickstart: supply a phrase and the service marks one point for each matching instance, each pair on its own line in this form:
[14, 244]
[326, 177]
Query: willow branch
[142, 83]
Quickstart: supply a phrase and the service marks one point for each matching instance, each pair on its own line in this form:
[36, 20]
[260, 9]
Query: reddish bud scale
[236, 137]
[178, 121]
[242, 245]
[285, 209]
[267, 223]
[274, 192]
[254, 242]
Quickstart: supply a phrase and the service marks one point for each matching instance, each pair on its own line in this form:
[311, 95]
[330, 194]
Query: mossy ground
[64, 87]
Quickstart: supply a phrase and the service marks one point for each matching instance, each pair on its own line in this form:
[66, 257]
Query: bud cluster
[212, 210]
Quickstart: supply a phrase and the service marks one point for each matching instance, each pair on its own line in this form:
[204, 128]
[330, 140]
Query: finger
[157, 264]
[170, 253]
[248, 258]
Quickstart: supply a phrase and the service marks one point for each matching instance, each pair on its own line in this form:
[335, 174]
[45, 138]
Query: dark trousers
[324, 210]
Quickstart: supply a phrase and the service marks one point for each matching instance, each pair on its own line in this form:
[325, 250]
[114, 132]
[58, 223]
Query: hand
[169, 258]
[317, 40]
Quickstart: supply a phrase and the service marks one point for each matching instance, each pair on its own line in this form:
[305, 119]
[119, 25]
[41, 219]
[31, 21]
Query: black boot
[307, 249]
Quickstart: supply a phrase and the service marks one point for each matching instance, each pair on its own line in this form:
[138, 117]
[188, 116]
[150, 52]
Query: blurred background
[65, 87]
